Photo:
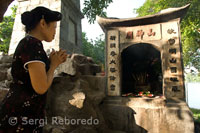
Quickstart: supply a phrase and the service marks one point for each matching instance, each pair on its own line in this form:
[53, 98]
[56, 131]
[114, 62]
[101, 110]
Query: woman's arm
[40, 79]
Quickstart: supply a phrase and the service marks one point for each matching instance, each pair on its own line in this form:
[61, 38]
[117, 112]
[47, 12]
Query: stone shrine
[144, 70]
[68, 33]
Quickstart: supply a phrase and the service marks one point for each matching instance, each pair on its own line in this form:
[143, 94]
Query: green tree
[190, 25]
[87, 46]
[6, 27]
[95, 7]
[192, 77]
[99, 50]
[94, 48]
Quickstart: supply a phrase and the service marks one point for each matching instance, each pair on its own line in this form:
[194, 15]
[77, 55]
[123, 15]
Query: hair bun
[26, 18]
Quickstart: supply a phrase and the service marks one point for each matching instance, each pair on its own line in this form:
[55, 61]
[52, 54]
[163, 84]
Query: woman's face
[50, 31]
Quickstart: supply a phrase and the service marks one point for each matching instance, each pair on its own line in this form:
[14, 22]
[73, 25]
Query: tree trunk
[3, 7]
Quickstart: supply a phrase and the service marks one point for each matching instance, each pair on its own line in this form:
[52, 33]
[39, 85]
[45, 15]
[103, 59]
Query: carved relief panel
[113, 68]
[173, 76]
[140, 33]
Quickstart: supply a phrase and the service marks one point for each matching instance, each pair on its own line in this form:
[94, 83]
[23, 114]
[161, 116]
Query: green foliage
[190, 35]
[6, 27]
[87, 46]
[95, 7]
[94, 48]
[196, 114]
[192, 77]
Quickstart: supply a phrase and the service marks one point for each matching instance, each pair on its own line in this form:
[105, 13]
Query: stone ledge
[154, 116]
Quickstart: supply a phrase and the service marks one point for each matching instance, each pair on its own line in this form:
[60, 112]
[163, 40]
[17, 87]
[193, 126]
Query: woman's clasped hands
[57, 57]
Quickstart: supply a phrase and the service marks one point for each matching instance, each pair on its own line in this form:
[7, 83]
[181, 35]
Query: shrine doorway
[141, 70]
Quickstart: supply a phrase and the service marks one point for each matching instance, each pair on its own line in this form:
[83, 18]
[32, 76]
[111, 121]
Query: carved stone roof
[163, 16]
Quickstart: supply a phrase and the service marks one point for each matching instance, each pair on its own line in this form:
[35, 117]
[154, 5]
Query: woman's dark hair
[31, 18]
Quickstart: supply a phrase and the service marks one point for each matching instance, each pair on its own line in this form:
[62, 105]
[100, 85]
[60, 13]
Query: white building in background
[193, 95]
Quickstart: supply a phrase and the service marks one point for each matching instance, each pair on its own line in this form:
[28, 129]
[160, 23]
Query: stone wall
[77, 3]
[152, 115]
[71, 13]
[75, 98]
[5, 76]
